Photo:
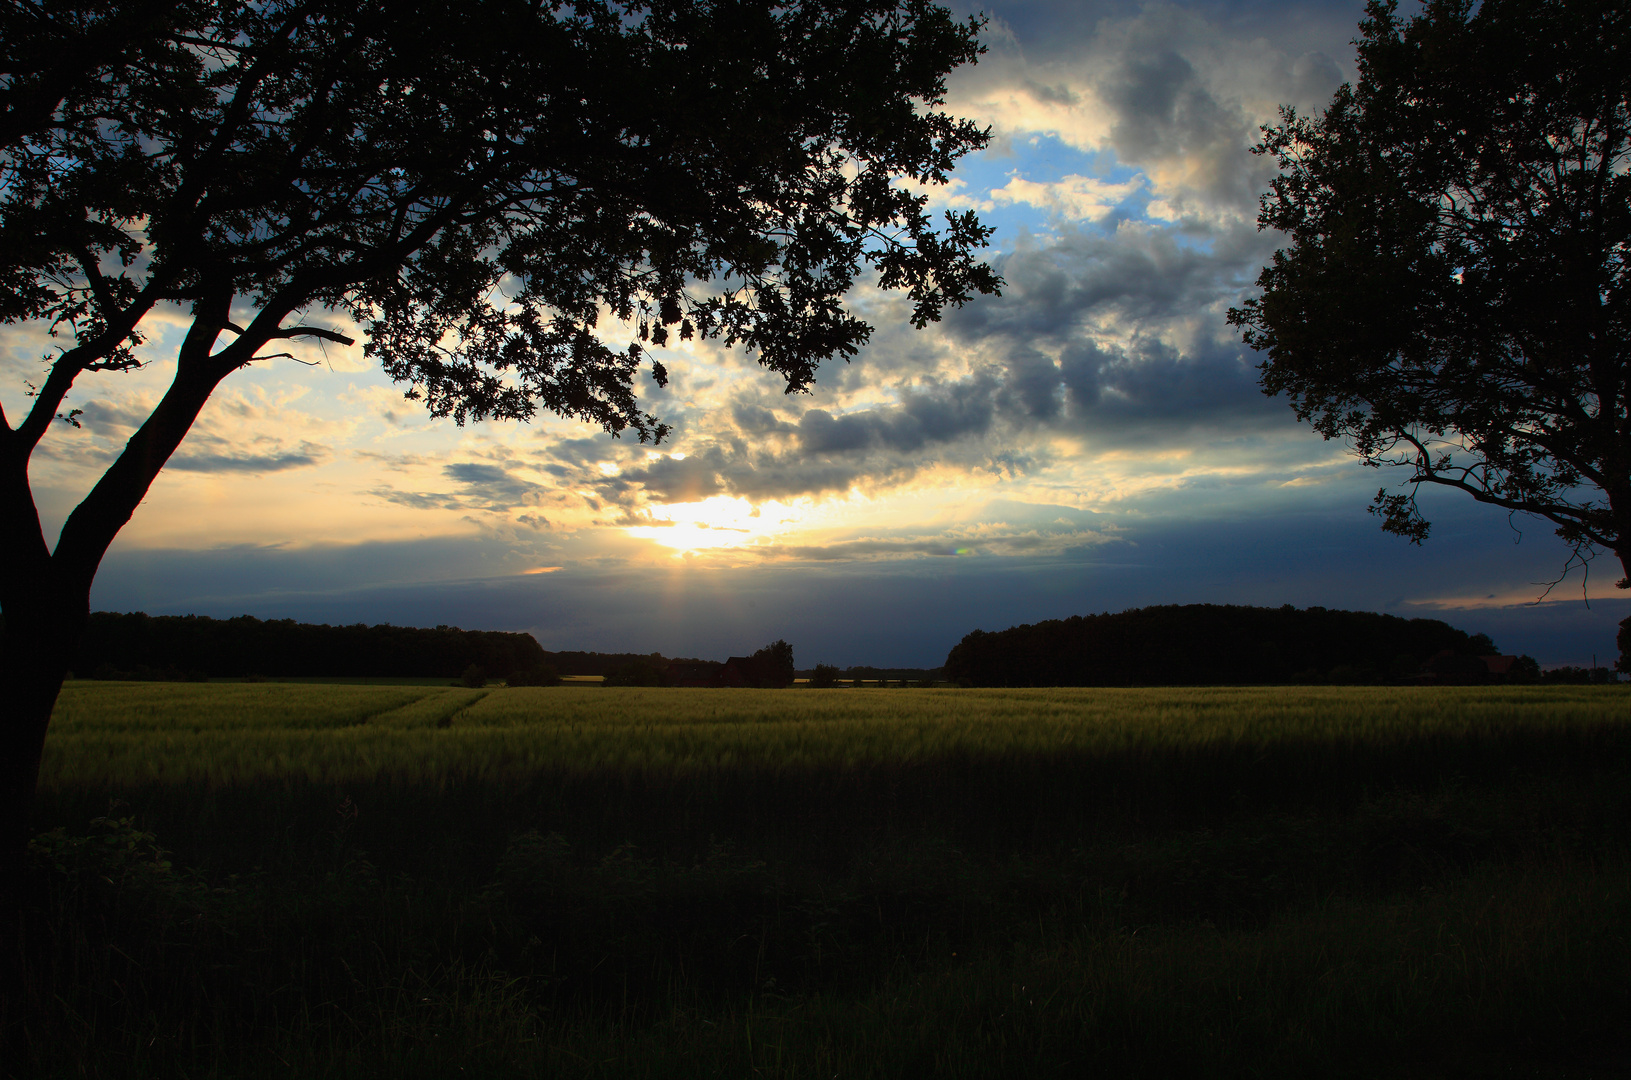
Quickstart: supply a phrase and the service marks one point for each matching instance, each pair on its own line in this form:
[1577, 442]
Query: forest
[140, 646]
[1210, 644]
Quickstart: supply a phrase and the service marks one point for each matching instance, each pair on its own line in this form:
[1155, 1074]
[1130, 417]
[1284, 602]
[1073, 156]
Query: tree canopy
[1453, 299]
[1209, 645]
[488, 189]
[775, 663]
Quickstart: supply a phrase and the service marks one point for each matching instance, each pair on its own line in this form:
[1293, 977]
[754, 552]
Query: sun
[717, 522]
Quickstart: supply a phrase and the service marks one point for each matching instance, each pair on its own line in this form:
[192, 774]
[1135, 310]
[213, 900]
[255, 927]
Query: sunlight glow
[716, 522]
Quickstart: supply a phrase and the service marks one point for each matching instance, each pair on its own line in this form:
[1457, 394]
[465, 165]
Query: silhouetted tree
[541, 675]
[1455, 297]
[824, 676]
[640, 672]
[473, 184]
[246, 645]
[773, 664]
[1208, 644]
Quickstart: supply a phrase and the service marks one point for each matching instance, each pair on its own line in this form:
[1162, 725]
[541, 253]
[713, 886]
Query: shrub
[824, 676]
[537, 675]
[773, 665]
[475, 677]
[636, 673]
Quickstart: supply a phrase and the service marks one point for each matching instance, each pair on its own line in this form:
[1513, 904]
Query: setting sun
[716, 522]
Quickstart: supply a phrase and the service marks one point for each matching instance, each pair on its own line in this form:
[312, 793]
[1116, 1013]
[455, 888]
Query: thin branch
[1582, 554]
[98, 282]
[75, 360]
[309, 331]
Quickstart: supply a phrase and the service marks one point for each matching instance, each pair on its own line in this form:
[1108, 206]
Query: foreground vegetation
[411, 881]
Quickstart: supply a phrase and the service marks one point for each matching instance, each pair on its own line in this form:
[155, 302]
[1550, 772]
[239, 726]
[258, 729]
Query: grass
[577, 881]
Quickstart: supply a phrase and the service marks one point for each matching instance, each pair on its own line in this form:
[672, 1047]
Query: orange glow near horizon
[717, 522]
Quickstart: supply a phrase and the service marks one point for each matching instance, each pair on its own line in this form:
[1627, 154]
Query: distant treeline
[137, 645]
[867, 673]
[605, 663]
[1207, 644]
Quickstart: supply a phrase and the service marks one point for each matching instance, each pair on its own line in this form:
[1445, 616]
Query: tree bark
[39, 639]
[1623, 639]
[45, 595]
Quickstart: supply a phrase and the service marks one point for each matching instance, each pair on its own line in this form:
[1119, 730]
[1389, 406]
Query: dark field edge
[1437, 907]
[456, 827]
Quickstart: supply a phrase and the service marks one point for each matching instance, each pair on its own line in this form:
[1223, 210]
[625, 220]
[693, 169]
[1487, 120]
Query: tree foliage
[1454, 295]
[1207, 645]
[773, 664]
[512, 200]
[232, 648]
[477, 186]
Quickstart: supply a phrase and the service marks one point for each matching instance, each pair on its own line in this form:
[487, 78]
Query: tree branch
[310, 331]
[94, 523]
[76, 360]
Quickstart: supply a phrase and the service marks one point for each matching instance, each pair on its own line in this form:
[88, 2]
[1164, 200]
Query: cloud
[1176, 92]
[993, 540]
[1080, 198]
[933, 415]
[1109, 338]
[308, 456]
[486, 488]
[112, 418]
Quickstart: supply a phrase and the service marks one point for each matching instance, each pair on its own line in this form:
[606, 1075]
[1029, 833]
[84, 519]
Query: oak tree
[1454, 296]
[474, 185]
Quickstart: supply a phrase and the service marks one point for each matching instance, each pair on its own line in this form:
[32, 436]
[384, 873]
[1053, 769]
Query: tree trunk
[1624, 638]
[35, 650]
[45, 594]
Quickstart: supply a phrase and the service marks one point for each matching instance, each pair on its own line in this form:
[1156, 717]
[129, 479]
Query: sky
[1092, 440]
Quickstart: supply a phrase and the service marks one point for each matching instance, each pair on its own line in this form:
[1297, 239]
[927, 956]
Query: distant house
[1500, 667]
[749, 671]
[693, 672]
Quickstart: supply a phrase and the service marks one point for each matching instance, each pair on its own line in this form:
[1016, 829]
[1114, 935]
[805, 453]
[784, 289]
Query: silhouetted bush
[773, 664]
[640, 672]
[1578, 675]
[474, 676]
[538, 675]
[824, 676]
